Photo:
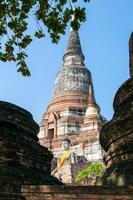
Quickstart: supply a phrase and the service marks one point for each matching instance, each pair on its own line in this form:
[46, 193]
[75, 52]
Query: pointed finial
[131, 55]
[93, 109]
[91, 98]
[73, 54]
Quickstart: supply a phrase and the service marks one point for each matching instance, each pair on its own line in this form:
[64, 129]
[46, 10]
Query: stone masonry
[25, 165]
[22, 159]
[44, 192]
[117, 135]
[73, 112]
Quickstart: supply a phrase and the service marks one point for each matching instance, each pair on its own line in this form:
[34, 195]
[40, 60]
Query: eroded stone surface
[22, 159]
[117, 135]
[73, 113]
[43, 192]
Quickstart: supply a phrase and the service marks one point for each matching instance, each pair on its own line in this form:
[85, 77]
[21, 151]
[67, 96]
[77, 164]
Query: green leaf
[15, 17]
[95, 169]
[39, 34]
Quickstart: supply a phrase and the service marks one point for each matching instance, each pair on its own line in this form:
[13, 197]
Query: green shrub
[95, 169]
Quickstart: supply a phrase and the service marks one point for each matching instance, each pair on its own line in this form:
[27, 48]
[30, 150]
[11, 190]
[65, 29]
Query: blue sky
[104, 39]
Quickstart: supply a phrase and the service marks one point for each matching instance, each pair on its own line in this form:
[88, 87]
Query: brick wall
[76, 193]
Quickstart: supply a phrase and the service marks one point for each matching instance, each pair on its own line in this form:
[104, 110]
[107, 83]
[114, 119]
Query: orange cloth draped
[64, 157]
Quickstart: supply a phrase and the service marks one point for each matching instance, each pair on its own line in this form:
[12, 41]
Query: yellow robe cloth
[64, 157]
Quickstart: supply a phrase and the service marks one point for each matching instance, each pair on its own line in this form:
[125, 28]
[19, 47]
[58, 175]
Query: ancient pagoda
[116, 136]
[73, 112]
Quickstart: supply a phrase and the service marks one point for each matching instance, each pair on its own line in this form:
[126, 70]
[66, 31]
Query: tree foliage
[95, 169]
[14, 25]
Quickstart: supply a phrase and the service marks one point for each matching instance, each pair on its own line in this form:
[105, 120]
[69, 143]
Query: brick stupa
[73, 112]
[22, 159]
[117, 135]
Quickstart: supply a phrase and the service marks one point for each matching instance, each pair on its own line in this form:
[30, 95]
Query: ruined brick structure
[73, 111]
[117, 135]
[22, 159]
[44, 192]
[25, 165]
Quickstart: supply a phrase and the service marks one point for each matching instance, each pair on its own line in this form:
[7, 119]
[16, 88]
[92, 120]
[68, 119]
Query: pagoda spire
[73, 54]
[91, 96]
[93, 109]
